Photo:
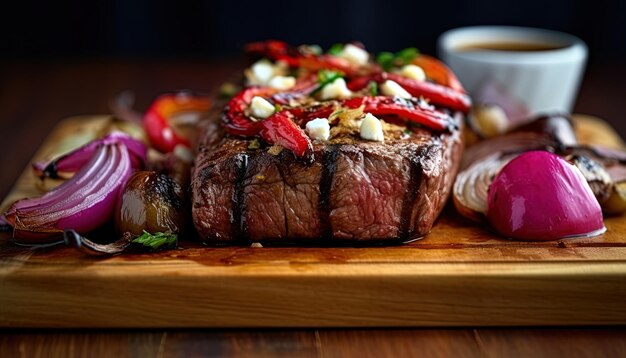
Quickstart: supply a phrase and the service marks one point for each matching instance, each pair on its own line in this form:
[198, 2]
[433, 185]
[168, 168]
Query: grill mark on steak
[329, 166]
[412, 191]
[323, 203]
[281, 168]
[239, 226]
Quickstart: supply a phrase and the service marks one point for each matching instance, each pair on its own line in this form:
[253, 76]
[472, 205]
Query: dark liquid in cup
[509, 46]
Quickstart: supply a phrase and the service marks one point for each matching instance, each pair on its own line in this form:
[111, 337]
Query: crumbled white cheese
[261, 108]
[413, 72]
[260, 73]
[392, 88]
[372, 129]
[336, 90]
[318, 129]
[282, 83]
[354, 54]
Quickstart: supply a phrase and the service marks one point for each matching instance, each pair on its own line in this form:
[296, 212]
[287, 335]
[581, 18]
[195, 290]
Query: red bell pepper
[409, 110]
[438, 72]
[281, 51]
[435, 93]
[279, 128]
[274, 50]
[157, 121]
[235, 118]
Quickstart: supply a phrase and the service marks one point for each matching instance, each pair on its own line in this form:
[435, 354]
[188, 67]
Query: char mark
[329, 167]
[239, 226]
[411, 194]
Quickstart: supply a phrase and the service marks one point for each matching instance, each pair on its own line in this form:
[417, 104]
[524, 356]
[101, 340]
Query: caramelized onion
[152, 202]
[471, 186]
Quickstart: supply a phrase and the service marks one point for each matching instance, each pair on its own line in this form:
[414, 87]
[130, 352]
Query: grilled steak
[354, 191]
[375, 164]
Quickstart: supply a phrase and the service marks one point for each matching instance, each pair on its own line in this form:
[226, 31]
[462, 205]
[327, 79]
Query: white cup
[542, 80]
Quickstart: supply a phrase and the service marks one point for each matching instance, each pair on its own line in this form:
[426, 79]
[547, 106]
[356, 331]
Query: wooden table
[35, 96]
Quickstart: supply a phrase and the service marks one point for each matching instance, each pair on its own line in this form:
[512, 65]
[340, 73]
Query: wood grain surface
[35, 95]
[374, 343]
[460, 274]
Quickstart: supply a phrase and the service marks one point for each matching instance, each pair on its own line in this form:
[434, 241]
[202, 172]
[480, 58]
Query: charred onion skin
[598, 178]
[153, 202]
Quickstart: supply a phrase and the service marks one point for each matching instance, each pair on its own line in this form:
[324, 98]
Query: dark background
[202, 28]
[78, 54]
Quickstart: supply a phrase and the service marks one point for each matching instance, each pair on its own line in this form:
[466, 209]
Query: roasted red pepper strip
[235, 119]
[279, 128]
[157, 119]
[435, 93]
[438, 72]
[281, 51]
[302, 115]
[305, 85]
[272, 48]
[327, 62]
[410, 110]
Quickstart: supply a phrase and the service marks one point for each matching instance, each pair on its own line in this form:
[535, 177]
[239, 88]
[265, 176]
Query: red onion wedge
[540, 196]
[67, 164]
[84, 202]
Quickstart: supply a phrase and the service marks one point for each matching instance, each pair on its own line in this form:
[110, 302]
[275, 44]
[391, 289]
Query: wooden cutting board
[460, 274]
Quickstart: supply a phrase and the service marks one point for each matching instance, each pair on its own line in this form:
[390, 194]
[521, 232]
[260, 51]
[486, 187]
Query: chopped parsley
[385, 60]
[325, 77]
[335, 49]
[388, 60]
[156, 242]
[407, 55]
[372, 88]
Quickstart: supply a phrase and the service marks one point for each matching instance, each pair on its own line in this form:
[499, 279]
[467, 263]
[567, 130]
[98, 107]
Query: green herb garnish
[406, 56]
[325, 77]
[372, 88]
[156, 242]
[335, 49]
[278, 107]
[387, 60]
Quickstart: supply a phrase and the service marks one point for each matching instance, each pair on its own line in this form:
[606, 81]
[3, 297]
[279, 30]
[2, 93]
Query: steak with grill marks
[354, 191]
